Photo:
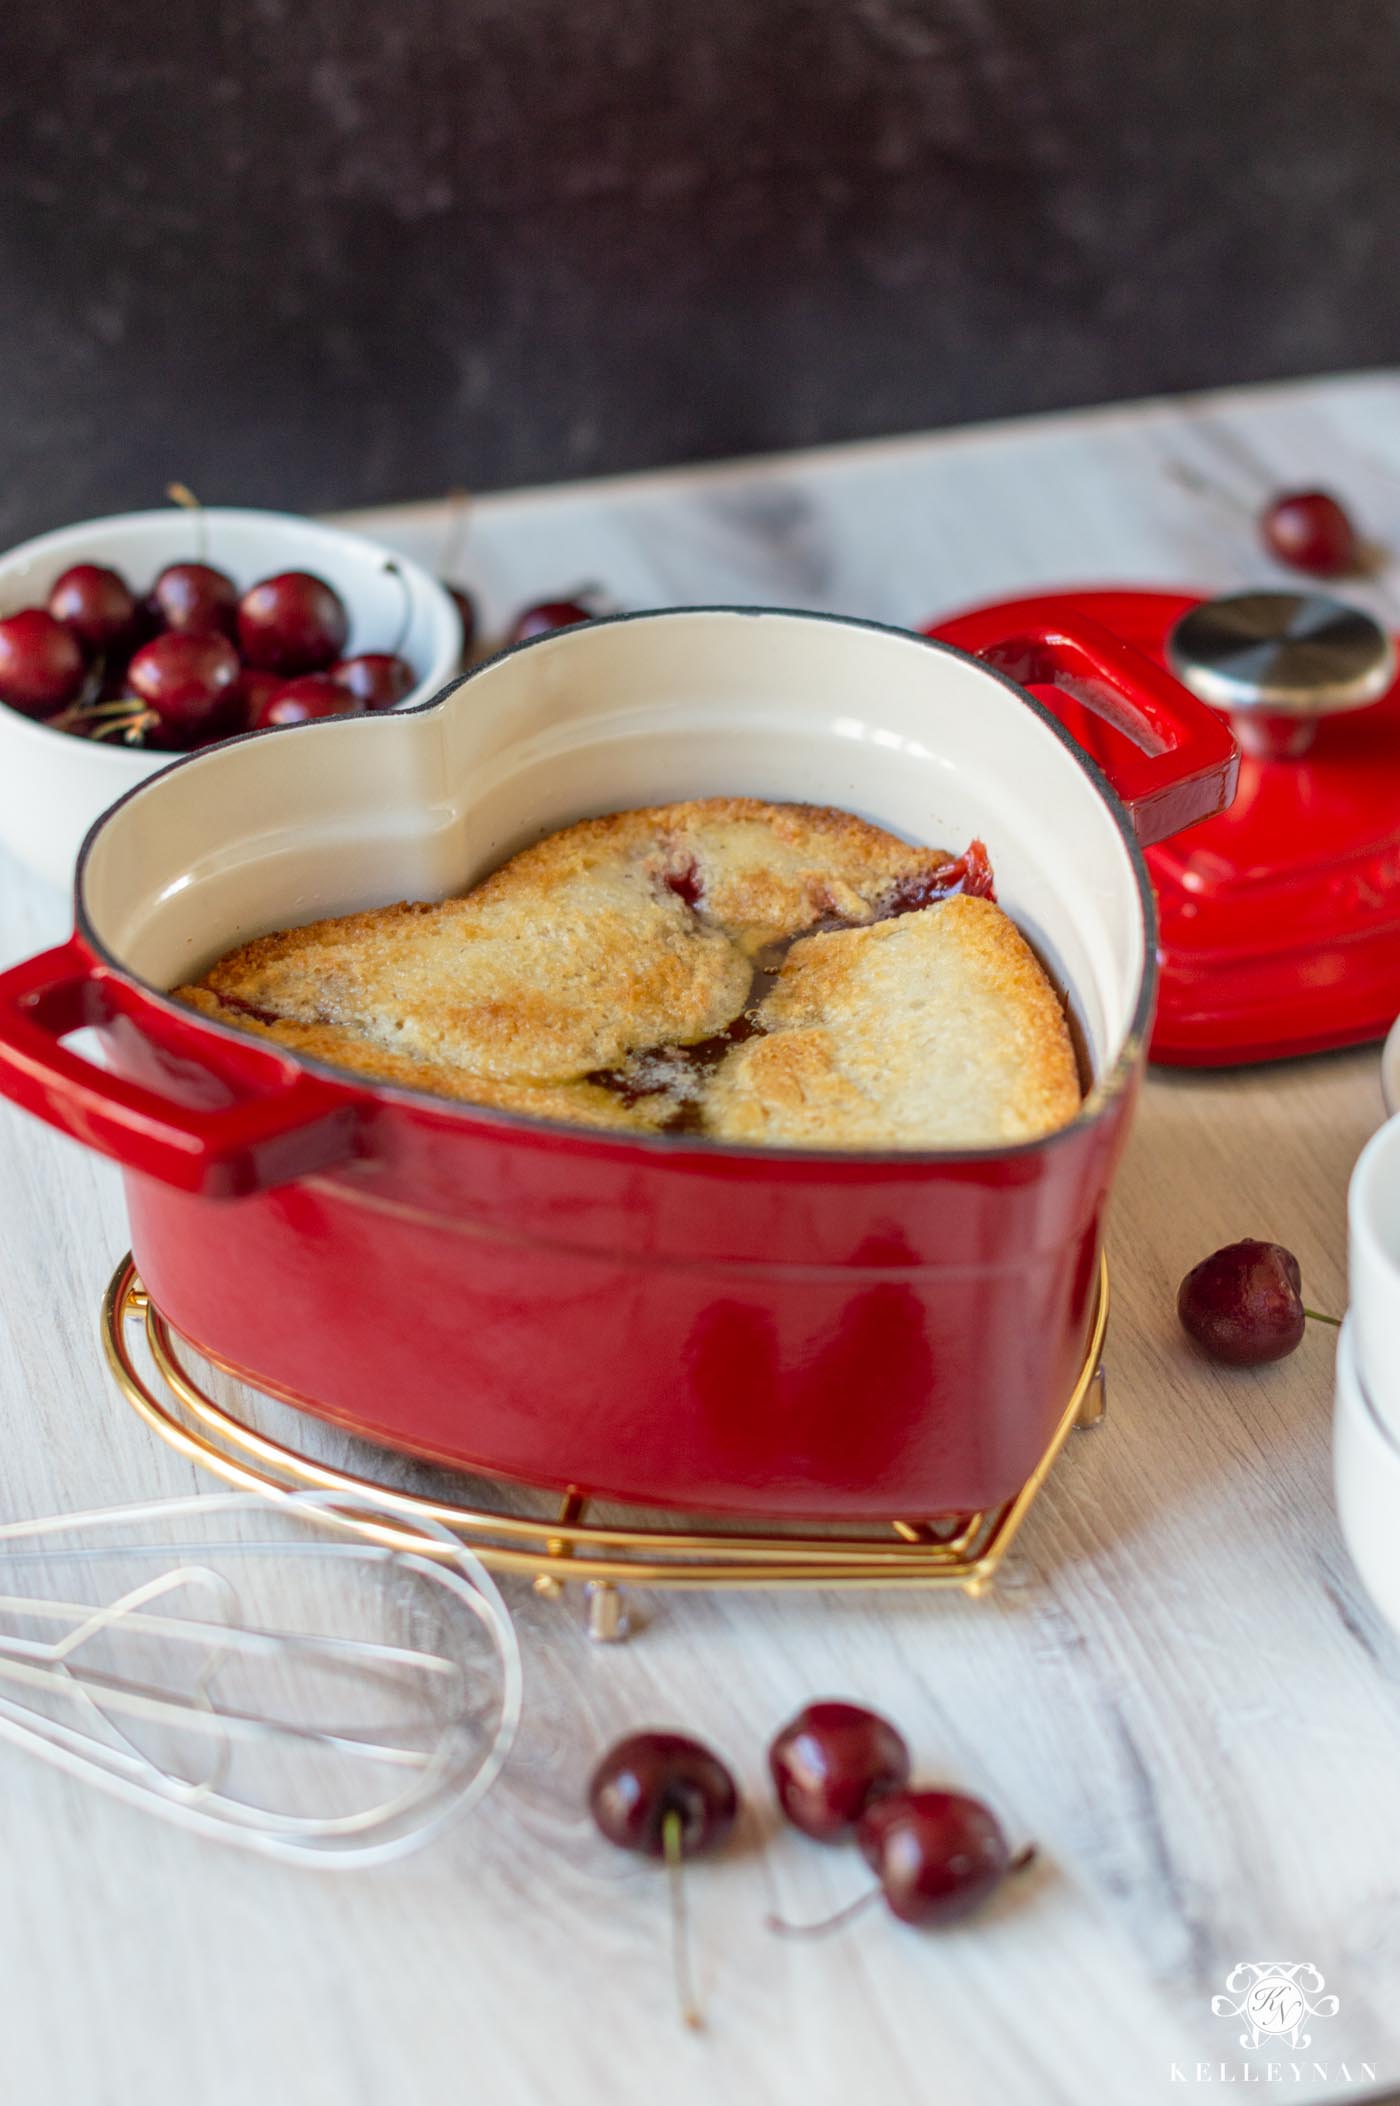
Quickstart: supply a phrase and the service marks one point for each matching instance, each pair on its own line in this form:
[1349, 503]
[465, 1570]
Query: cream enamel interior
[289, 826]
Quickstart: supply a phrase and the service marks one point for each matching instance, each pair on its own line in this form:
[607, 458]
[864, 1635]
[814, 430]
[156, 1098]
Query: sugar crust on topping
[936, 1030]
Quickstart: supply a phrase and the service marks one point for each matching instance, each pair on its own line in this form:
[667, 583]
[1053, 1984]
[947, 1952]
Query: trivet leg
[606, 1615]
[548, 1583]
[1092, 1410]
[609, 1621]
[939, 1535]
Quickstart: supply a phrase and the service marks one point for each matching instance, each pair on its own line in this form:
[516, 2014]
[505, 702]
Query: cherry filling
[677, 1072]
[686, 883]
[259, 1016]
[969, 873]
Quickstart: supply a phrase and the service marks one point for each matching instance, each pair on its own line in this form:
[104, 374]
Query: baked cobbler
[773, 973]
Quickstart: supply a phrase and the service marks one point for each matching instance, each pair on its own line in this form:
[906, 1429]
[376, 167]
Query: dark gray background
[318, 253]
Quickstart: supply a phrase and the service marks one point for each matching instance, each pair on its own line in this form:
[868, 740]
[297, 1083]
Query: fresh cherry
[302, 701]
[938, 1855]
[1244, 1304]
[831, 1762]
[379, 678]
[41, 662]
[254, 692]
[666, 1796]
[1309, 530]
[195, 597]
[293, 623]
[546, 616]
[188, 681]
[95, 604]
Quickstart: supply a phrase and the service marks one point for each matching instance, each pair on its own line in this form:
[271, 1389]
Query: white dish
[1390, 1070]
[1373, 1258]
[1366, 1468]
[52, 785]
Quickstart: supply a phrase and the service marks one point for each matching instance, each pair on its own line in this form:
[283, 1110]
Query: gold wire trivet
[962, 1551]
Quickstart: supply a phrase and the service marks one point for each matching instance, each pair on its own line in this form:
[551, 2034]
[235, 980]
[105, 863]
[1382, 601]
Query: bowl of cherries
[125, 642]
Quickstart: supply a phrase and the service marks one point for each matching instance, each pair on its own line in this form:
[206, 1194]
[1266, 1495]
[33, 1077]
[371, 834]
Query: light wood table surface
[1180, 1693]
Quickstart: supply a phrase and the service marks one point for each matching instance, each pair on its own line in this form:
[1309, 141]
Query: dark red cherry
[195, 597]
[379, 678]
[937, 1855]
[188, 681]
[1309, 530]
[665, 1795]
[293, 623]
[252, 695]
[546, 616]
[95, 604]
[302, 701]
[41, 662]
[652, 1783]
[466, 608]
[831, 1762]
[1244, 1304]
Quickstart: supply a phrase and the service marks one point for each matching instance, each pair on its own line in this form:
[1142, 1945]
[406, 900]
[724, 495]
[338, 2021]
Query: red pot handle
[1187, 762]
[283, 1123]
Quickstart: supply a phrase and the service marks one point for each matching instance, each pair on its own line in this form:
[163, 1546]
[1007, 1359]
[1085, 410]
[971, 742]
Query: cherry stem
[1318, 1318]
[84, 712]
[181, 494]
[125, 713]
[133, 724]
[852, 1909]
[86, 702]
[680, 1928]
[1019, 1863]
[407, 616]
[459, 502]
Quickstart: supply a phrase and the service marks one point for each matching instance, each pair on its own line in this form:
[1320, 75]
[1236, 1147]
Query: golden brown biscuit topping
[723, 966]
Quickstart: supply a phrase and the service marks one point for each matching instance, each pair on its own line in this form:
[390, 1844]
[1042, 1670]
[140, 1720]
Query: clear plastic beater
[311, 1676]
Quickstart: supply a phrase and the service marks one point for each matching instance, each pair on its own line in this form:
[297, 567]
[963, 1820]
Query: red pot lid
[1280, 917]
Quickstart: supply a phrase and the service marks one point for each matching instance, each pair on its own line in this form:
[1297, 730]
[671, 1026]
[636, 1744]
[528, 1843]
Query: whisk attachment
[262, 1671]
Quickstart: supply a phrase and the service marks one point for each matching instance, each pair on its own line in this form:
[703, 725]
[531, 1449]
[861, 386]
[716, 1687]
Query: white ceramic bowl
[1390, 1070]
[1373, 1266]
[52, 785]
[1366, 1468]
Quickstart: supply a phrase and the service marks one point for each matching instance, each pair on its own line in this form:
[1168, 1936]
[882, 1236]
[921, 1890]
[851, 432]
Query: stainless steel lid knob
[1278, 662]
